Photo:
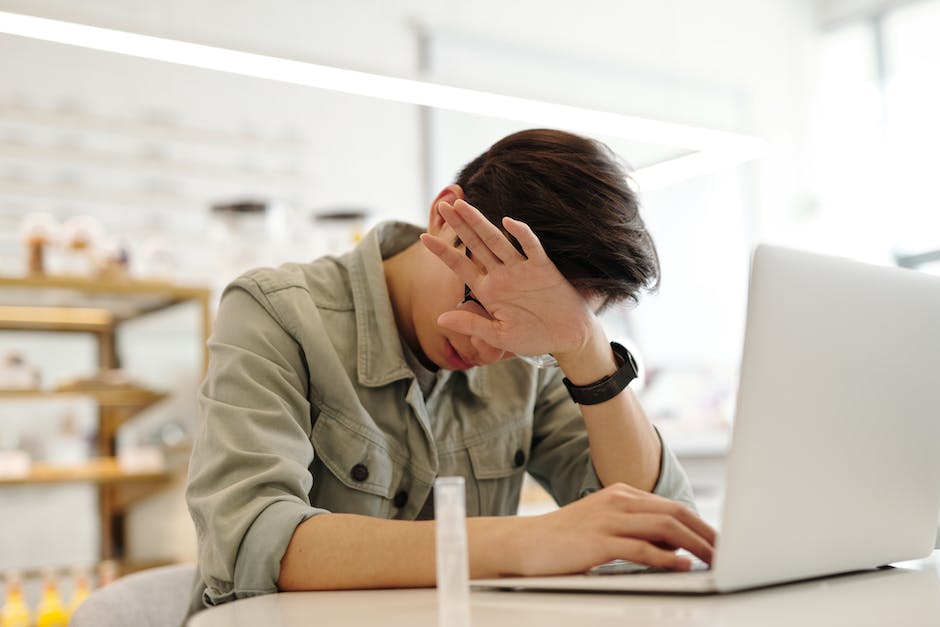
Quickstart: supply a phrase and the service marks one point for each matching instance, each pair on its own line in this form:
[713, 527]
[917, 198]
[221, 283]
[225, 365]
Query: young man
[338, 390]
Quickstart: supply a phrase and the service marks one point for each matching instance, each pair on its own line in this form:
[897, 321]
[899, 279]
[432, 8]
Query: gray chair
[158, 597]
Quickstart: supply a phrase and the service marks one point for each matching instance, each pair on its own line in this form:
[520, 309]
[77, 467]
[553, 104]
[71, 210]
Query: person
[338, 390]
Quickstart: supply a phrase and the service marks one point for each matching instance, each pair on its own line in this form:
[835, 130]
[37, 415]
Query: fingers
[468, 323]
[631, 499]
[486, 354]
[662, 531]
[465, 269]
[484, 239]
[656, 520]
[530, 243]
[468, 235]
[642, 552]
[684, 515]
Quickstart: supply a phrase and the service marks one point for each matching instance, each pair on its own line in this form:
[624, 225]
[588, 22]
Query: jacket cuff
[673, 483]
[258, 563]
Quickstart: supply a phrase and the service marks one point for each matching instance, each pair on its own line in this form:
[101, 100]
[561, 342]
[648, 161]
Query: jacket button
[401, 499]
[519, 459]
[359, 472]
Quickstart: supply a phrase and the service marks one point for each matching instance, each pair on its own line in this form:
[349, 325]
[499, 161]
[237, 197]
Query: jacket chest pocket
[352, 473]
[499, 461]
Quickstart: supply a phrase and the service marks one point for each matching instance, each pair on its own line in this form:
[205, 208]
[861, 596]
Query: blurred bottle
[155, 259]
[68, 446]
[241, 235]
[79, 240]
[37, 231]
[107, 572]
[15, 612]
[81, 588]
[50, 612]
[113, 260]
[16, 373]
[337, 230]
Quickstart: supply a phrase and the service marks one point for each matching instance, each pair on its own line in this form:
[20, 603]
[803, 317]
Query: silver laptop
[835, 461]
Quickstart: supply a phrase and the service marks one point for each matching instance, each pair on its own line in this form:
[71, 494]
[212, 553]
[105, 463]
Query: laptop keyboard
[623, 567]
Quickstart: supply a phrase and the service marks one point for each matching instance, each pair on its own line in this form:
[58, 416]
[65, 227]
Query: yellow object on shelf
[81, 590]
[51, 612]
[15, 612]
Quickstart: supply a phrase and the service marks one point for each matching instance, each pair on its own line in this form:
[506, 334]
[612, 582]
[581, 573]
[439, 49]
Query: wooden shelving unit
[66, 304]
[100, 470]
[136, 397]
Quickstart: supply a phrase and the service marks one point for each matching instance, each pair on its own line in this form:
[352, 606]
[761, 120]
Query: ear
[450, 194]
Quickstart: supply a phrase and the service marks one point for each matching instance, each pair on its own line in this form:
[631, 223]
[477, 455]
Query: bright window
[876, 135]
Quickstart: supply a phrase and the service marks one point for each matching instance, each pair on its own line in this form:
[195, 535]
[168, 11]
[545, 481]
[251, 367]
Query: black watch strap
[608, 387]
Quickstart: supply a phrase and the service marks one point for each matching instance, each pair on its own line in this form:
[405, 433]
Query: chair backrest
[158, 597]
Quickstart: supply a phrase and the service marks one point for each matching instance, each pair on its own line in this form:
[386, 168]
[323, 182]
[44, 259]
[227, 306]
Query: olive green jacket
[310, 407]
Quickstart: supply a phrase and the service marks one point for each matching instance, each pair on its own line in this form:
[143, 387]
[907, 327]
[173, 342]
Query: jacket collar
[379, 355]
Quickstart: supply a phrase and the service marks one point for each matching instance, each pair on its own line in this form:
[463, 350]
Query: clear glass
[453, 570]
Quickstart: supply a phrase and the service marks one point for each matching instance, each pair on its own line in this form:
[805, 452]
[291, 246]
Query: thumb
[469, 323]
[487, 354]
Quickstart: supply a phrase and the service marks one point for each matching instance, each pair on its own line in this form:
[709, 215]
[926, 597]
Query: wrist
[591, 361]
[497, 545]
[524, 549]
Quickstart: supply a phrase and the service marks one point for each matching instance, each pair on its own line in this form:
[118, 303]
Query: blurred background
[132, 190]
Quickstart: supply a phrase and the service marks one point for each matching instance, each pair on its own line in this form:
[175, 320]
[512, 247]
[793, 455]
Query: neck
[400, 273]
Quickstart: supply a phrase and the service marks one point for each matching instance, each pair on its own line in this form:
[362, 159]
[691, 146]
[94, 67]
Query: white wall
[758, 52]
[739, 65]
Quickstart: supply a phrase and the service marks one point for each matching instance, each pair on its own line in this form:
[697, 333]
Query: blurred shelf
[98, 305]
[100, 470]
[127, 397]
[45, 319]
[124, 567]
[75, 303]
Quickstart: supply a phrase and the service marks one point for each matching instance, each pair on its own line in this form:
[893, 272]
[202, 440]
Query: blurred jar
[241, 237]
[335, 231]
[38, 231]
[16, 373]
[113, 260]
[156, 259]
[69, 445]
[79, 240]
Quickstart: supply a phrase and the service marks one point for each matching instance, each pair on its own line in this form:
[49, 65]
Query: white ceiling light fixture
[712, 150]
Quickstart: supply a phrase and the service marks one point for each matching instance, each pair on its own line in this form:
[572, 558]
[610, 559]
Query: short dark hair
[573, 192]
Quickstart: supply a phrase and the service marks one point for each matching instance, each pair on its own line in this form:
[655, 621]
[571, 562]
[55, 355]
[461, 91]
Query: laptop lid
[835, 463]
[835, 459]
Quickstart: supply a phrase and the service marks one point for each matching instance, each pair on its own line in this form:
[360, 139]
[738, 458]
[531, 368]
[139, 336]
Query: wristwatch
[611, 385]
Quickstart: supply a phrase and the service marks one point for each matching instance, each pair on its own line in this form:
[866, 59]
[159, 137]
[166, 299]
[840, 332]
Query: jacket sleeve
[249, 475]
[561, 456]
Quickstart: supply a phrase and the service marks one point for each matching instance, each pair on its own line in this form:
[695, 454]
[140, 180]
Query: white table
[907, 596]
